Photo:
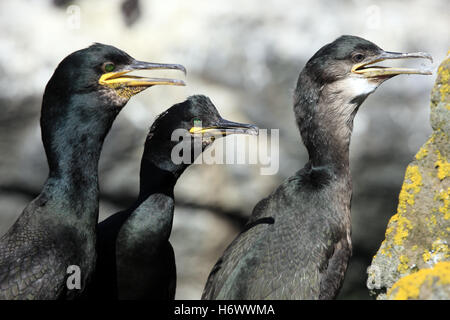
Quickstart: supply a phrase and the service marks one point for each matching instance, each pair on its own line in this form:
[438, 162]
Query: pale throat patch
[356, 86]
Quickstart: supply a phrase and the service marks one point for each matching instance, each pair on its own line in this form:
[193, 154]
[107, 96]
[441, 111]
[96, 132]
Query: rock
[417, 235]
[426, 284]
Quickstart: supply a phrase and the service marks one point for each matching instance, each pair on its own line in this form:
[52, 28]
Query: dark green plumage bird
[135, 257]
[57, 229]
[297, 242]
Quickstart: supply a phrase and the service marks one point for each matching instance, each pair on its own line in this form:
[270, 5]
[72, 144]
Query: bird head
[86, 92]
[200, 125]
[354, 62]
[334, 83]
[105, 70]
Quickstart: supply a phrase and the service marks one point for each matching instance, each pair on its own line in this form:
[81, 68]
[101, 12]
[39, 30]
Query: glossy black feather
[136, 259]
[57, 229]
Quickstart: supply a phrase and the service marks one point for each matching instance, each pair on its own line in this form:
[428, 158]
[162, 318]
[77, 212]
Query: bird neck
[73, 138]
[154, 179]
[325, 118]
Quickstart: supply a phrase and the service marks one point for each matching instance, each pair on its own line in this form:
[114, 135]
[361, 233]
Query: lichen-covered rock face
[417, 236]
[426, 284]
[440, 97]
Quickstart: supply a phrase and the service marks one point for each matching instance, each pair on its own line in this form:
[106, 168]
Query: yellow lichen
[414, 247]
[423, 152]
[388, 231]
[438, 252]
[411, 186]
[426, 255]
[444, 196]
[403, 227]
[403, 265]
[432, 138]
[443, 166]
[386, 249]
[445, 80]
[433, 220]
[439, 249]
[409, 286]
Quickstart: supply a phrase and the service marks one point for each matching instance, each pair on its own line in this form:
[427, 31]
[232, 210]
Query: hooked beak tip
[367, 69]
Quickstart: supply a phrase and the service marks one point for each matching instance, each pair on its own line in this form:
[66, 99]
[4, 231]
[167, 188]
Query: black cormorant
[135, 257]
[57, 229]
[297, 243]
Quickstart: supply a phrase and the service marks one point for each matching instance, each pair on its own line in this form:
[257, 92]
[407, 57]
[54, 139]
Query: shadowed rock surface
[417, 236]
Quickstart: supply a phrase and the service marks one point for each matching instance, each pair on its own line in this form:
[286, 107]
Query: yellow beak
[128, 85]
[225, 127]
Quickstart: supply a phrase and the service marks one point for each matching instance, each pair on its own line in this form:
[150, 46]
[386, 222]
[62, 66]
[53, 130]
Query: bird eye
[108, 66]
[197, 122]
[358, 57]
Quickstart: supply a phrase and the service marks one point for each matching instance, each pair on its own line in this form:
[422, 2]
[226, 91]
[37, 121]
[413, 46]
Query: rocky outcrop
[426, 284]
[406, 265]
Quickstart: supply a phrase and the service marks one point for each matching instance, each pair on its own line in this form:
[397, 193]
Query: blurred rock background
[246, 56]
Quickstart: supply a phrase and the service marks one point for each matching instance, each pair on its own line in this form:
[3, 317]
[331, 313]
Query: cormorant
[296, 244]
[135, 257]
[57, 229]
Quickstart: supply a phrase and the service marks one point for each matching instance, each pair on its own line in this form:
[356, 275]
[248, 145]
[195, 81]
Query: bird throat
[126, 92]
[326, 123]
[153, 179]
